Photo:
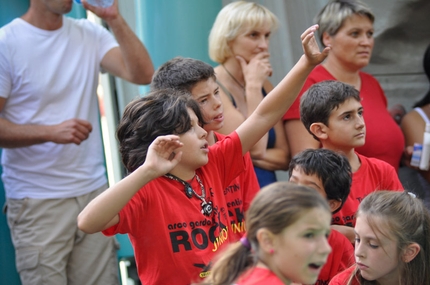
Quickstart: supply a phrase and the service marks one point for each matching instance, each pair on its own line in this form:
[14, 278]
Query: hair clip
[245, 242]
[412, 194]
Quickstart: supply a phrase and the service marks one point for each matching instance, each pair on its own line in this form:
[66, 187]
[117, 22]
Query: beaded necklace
[189, 191]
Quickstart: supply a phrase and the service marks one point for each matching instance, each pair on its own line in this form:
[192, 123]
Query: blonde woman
[239, 42]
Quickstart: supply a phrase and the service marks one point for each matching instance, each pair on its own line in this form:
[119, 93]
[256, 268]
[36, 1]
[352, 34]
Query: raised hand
[163, 154]
[70, 131]
[257, 69]
[106, 14]
[311, 48]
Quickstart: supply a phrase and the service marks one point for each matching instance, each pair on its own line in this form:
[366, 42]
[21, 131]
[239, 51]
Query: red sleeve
[133, 212]
[250, 182]
[388, 175]
[394, 182]
[110, 231]
[226, 154]
[343, 277]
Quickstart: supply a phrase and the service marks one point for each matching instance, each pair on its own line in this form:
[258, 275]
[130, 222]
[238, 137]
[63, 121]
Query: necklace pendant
[188, 190]
[206, 208]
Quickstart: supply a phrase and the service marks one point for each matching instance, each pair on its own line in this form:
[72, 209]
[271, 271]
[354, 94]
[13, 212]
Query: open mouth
[315, 266]
[220, 117]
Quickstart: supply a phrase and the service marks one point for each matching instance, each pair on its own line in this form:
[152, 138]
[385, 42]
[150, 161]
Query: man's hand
[70, 131]
[106, 14]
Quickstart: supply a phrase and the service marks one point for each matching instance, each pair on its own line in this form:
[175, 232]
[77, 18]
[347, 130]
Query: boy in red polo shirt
[332, 113]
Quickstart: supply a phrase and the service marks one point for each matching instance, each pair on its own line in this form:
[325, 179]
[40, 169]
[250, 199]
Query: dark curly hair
[159, 113]
[331, 167]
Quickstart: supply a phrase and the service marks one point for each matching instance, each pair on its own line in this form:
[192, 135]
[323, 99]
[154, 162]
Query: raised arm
[276, 103]
[102, 212]
[131, 61]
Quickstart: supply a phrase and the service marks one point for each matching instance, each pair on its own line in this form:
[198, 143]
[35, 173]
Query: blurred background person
[413, 126]
[53, 158]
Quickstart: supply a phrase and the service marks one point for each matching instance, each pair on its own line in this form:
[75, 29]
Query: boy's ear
[410, 252]
[334, 204]
[319, 130]
[265, 240]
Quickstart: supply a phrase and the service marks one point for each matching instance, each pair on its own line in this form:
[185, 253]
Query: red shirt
[373, 174]
[259, 276]
[343, 277]
[239, 194]
[384, 138]
[340, 258]
[172, 240]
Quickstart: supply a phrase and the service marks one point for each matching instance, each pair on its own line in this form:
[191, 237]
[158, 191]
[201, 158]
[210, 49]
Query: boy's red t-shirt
[173, 241]
[373, 175]
[239, 194]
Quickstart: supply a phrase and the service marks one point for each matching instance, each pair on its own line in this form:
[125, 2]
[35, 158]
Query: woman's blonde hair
[230, 23]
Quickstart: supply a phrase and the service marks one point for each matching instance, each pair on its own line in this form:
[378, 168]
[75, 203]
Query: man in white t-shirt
[53, 162]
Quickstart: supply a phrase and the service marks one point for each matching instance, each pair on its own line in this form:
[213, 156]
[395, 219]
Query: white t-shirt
[49, 77]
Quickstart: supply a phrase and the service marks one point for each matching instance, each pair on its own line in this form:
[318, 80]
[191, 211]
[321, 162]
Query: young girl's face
[376, 256]
[302, 249]
[206, 93]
